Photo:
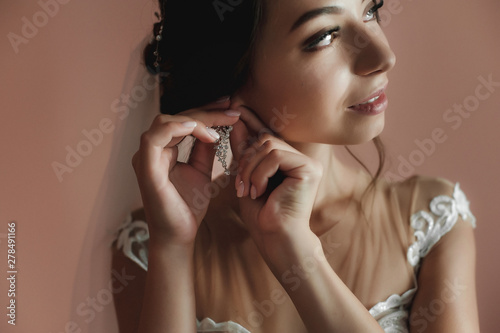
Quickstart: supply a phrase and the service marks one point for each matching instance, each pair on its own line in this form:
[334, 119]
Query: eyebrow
[315, 13]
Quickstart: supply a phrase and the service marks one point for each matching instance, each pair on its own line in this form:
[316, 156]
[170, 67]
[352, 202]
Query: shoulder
[424, 188]
[445, 252]
[432, 207]
[441, 198]
[441, 220]
[423, 193]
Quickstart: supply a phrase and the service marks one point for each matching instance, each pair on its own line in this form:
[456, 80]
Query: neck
[343, 178]
[343, 181]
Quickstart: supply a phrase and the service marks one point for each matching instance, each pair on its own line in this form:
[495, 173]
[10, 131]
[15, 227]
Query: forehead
[276, 35]
[283, 14]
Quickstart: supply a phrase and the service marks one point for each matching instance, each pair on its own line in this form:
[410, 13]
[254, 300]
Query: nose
[372, 53]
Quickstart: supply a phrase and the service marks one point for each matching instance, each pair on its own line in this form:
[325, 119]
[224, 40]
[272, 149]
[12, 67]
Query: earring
[222, 145]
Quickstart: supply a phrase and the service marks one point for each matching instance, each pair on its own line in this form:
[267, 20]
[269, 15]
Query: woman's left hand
[280, 214]
[278, 218]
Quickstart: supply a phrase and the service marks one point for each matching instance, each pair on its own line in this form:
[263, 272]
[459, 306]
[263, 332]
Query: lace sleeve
[430, 227]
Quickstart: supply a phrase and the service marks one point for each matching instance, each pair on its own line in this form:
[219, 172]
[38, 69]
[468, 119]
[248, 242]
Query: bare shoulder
[430, 187]
[446, 278]
[417, 192]
[423, 187]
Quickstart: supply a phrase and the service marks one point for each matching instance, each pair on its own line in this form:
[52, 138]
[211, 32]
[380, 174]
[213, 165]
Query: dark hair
[206, 47]
[208, 51]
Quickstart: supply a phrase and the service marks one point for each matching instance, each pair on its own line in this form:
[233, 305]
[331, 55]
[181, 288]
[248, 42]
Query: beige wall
[69, 77]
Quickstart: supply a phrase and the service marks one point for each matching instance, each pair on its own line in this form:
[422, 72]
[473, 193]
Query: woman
[294, 239]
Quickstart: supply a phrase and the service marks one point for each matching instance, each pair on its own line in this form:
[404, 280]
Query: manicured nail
[223, 99]
[190, 124]
[241, 190]
[213, 133]
[253, 192]
[232, 113]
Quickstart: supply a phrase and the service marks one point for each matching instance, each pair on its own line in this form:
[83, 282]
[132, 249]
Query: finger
[165, 128]
[291, 164]
[202, 157]
[255, 125]
[253, 157]
[250, 159]
[212, 118]
[238, 141]
[206, 120]
[159, 136]
[220, 103]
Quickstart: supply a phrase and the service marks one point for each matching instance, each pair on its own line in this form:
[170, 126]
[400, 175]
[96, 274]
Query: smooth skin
[317, 87]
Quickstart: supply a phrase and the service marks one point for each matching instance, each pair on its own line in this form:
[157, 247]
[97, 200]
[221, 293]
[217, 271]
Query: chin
[366, 133]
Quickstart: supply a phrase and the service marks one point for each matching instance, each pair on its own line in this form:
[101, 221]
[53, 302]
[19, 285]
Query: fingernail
[241, 190]
[213, 133]
[223, 99]
[232, 113]
[253, 192]
[190, 124]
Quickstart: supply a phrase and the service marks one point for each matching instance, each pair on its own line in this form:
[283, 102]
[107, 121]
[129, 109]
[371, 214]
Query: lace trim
[394, 301]
[131, 232]
[391, 314]
[429, 228]
[208, 325]
[396, 322]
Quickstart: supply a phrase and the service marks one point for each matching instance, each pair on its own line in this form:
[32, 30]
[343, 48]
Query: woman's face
[315, 62]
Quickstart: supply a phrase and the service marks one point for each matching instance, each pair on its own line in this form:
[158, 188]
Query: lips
[374, 104]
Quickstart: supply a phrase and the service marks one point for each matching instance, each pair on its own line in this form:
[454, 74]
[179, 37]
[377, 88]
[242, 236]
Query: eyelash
[311, 46]
[316, 40]
[374, 11]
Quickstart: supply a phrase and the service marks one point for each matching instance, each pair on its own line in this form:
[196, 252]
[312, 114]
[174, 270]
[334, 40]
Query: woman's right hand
[168, 187]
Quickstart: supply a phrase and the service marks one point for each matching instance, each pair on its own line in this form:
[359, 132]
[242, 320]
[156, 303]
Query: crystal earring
[222, 145]
[156, 53]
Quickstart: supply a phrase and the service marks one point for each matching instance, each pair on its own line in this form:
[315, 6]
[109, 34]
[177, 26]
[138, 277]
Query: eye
[321, 40]
[372, 13]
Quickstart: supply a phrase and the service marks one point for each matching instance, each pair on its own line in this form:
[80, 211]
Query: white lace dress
[392, 314]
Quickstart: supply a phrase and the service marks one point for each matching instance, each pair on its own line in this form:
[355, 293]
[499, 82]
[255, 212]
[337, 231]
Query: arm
[169, 301]
[446, 299]
[168, 190]
[278, 221]
[130, 295]
[323, 301]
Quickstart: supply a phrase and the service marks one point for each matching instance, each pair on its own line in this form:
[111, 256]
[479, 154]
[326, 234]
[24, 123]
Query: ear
[243, 97]
[239, 99]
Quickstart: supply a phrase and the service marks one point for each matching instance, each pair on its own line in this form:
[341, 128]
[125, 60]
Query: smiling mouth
[373, 105]
[370, 100]
[375, 96]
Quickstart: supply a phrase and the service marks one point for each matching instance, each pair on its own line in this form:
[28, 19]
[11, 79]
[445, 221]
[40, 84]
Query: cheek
[302, 104]
[306, 101]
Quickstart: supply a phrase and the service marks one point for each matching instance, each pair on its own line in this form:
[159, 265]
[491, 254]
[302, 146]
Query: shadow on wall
[134, 109]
